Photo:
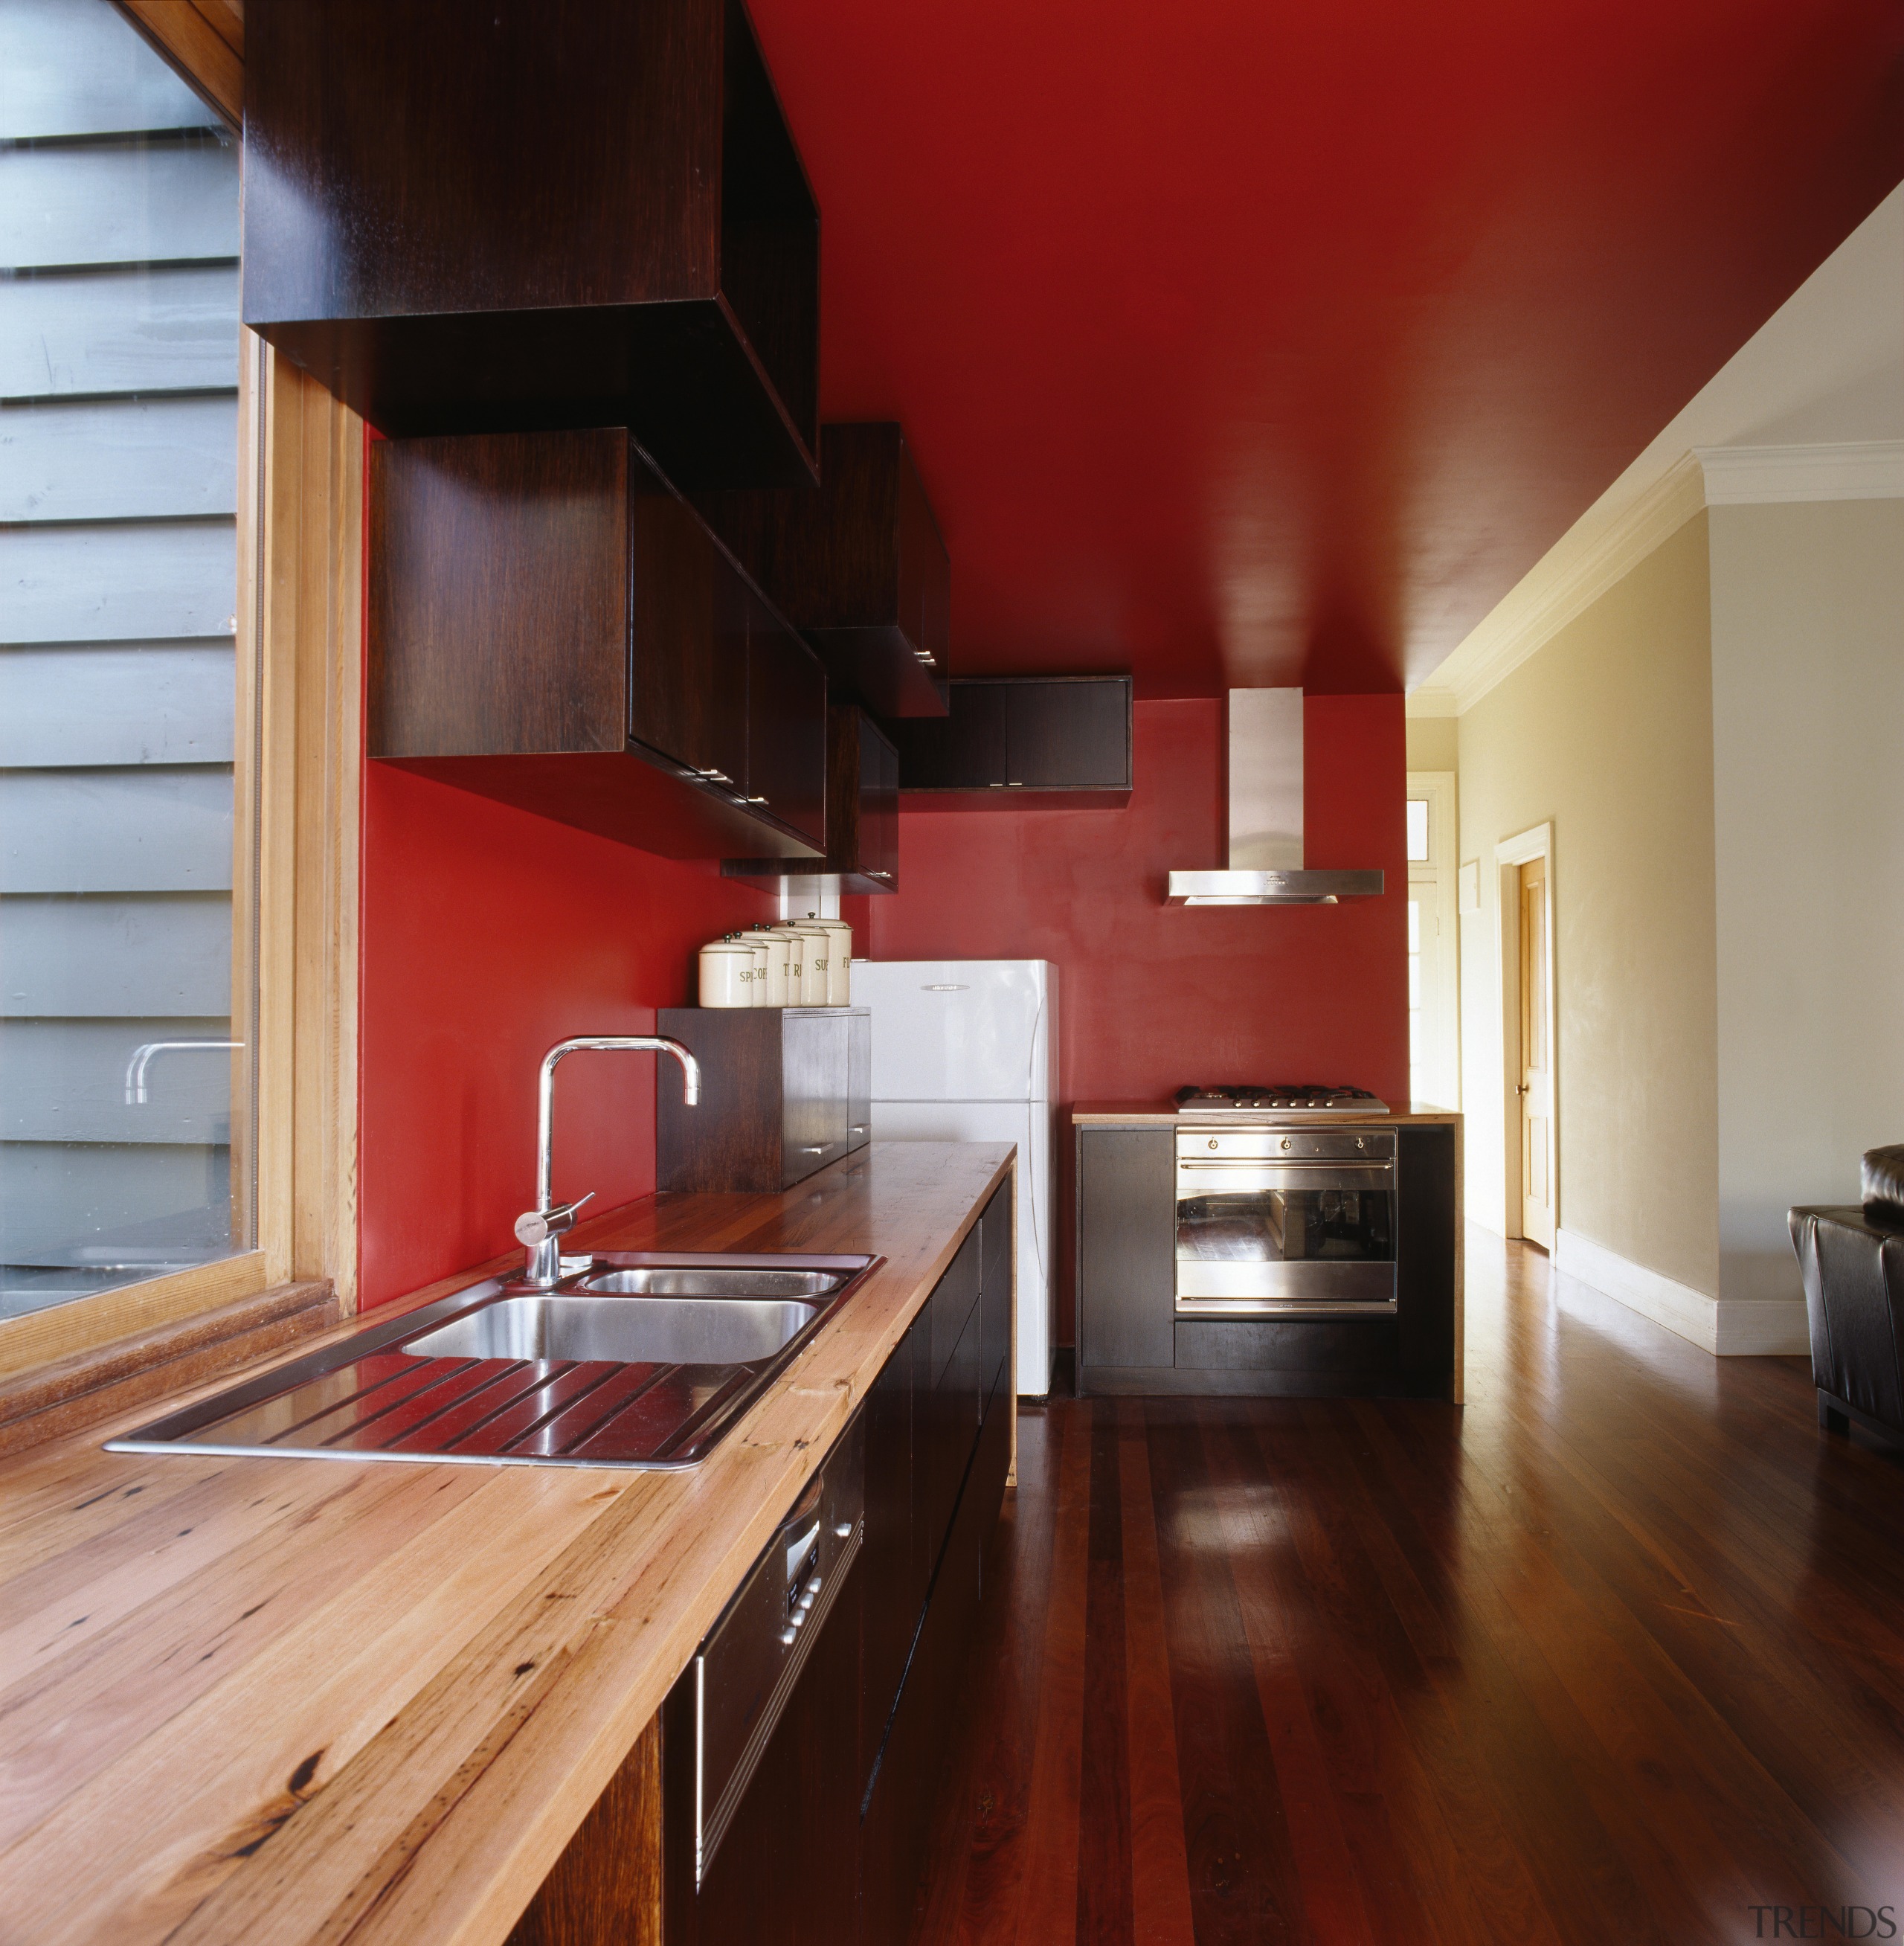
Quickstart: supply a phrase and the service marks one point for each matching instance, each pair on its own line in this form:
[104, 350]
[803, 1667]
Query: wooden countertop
[263, 1702]
[1141, 1114]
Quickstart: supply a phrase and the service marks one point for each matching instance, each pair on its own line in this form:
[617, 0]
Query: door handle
[1520, 1087]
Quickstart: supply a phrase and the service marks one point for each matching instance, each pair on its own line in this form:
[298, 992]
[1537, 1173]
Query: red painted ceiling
[1269, 340]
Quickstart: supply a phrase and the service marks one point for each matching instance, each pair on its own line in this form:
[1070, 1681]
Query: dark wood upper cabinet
[860, 567]
[532, 214]
[786, 724]
[1016, 740]
[862, 812]
[551, 625]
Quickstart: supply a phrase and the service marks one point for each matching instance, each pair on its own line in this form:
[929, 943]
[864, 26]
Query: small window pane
[1417, 830]
[123, 1097]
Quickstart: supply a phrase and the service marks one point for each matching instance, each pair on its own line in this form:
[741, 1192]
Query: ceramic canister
[756, 992]
[809, 951]
[796, 960]
[778, 949]
[839, 957]
[727, 973]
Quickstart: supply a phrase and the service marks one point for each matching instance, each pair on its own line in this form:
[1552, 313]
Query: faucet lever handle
[537, 1226]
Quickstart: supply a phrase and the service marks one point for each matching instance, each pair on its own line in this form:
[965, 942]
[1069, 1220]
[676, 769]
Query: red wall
[488, 934]
[1150, 996]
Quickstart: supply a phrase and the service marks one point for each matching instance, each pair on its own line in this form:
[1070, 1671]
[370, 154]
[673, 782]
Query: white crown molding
[1433, 699]
[1740, 476]
[1590, 559]
[1567, 581]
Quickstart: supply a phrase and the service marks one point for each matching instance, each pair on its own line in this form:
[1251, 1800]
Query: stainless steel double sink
[634, 1359]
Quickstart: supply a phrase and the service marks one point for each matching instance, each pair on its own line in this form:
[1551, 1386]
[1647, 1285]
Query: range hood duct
[1266, 841]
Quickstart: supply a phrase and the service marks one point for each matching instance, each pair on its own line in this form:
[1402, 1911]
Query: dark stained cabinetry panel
[1130, 1339]
[1424, 1250]
[1013, 740]
[551, 625]
[779, 1096]
[689, 674]
[1127, 1248]
[897, 1563]
[787, 1867]
[786, 724]
[962, 1436]
[537, 213]
[861, 813]
[828, 1841]
[859, 567]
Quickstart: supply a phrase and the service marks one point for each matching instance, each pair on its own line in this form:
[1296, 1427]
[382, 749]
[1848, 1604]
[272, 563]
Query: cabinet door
[1127, 1247]
[688, 662]
[1069, 736]
[788, 1868]
[892, 1567]
[878, 847]
[964, 751]
[814, 1081]
[786, 724]
[994, 1285]
[858, 1094]
[952, 1299]
[942, 1432]
[1424, 1248]
[951, 1428]
[474, 543]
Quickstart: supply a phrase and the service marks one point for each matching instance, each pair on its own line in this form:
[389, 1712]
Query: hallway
[1613, 1654]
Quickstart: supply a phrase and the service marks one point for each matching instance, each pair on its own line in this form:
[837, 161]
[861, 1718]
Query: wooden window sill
[89, 1386]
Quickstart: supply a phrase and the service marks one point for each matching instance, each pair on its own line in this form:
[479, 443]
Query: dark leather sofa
[1853, 1260]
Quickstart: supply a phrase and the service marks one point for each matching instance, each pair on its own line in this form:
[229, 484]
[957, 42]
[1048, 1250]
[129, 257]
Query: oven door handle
[1258, 1166]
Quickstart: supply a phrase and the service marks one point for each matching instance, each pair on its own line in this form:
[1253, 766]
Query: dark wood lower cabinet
[1127, 1247]
[896, 1561]
[607, 1884]
[906, 1783]
[827, 1847]
[787, 1867]
[1130, 1340]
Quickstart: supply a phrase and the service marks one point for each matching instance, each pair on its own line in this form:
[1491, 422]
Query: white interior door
[1536, 1082]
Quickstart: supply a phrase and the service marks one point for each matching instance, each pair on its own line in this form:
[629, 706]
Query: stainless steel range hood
[1265, 844]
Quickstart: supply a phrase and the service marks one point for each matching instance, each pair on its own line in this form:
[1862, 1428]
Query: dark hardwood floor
[1614, 1655]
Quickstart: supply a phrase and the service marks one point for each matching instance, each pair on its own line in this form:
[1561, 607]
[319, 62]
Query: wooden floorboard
[1614, 1652]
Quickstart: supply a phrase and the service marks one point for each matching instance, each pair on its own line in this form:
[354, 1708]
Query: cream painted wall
[1433, 743]
[1608, 732]
[1807, 702]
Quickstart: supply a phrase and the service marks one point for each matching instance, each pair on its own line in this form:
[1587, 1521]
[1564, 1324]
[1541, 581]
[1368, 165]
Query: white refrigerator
[967, 1050]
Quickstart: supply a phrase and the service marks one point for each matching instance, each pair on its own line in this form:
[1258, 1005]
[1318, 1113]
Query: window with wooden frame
[180, 672]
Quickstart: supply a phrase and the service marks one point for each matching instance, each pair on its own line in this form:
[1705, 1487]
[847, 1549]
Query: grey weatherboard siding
[118, 351]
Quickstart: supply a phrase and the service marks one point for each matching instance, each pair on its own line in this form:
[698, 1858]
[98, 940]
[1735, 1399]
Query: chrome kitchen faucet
[540, 1230]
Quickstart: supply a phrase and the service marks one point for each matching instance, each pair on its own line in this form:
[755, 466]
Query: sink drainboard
[584, 1376]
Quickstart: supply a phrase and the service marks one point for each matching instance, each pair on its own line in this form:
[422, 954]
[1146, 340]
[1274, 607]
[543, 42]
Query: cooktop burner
[1301, 1097]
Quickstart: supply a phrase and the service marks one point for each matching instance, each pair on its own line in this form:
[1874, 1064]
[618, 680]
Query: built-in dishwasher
[1280, 1221]
[745, 1673]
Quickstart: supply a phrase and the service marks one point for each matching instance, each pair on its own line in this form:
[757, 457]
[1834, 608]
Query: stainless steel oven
[1285, 1222]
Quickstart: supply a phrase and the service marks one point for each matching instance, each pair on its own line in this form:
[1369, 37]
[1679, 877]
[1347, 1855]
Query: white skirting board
[1730, 1327]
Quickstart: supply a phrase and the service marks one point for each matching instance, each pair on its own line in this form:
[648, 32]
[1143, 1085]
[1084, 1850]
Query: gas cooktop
[1281, 1098]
